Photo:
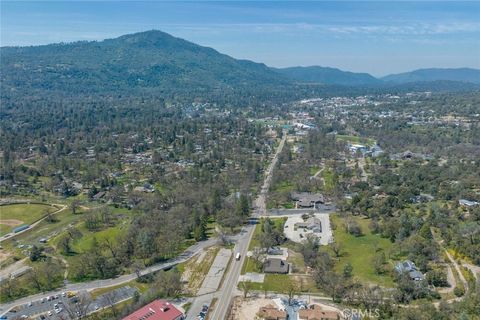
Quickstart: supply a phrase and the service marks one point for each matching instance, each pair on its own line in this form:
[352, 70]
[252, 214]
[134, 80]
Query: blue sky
[362, 36]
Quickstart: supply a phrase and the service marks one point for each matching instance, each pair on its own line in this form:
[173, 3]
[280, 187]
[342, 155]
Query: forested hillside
[151, 61]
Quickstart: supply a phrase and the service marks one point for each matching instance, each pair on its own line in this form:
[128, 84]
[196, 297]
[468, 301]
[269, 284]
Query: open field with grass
[327, 176]
[281, 283]
[12, 215]
[360, 251]
[85, 243]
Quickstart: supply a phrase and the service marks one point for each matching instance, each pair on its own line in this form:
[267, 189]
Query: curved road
[96, 284]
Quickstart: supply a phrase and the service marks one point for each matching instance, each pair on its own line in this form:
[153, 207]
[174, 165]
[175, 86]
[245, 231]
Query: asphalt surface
[288, 212]
[42, 307]
[232, 275]
[214, 277]
[92, 285]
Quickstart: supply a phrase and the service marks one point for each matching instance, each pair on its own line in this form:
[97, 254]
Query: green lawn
[84, 244]
[4, 229]
[284, 186]
[281, 282]
[360, 251]
[250, 266]
[327, 176]
[356, 140]
[27, 213]
[24, 213]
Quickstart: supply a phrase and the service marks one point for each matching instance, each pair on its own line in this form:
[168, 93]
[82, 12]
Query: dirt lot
[11, 222]
[246, 309]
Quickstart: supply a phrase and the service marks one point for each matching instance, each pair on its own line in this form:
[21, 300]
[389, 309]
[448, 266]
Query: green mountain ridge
[146, 60]
[327, 75]
[154, 62]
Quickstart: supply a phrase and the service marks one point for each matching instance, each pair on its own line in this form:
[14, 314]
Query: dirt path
[473, 268]
[451, 280]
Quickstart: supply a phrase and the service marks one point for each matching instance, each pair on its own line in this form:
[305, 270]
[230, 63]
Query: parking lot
[55, 307]
[300, 234]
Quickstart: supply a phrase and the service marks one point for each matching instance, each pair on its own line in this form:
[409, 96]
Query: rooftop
[273, 265]
[269, 312]
[315, 312]
[156, 310]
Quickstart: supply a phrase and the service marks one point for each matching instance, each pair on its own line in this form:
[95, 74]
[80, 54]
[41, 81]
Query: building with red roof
[156, 310]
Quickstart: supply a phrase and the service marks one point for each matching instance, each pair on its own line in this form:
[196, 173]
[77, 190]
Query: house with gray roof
[307, 200]
[274, 265]
[312, 223]
[409, 267]
[467, 203]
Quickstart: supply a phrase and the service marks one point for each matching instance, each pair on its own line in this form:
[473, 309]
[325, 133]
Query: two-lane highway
[225, 293]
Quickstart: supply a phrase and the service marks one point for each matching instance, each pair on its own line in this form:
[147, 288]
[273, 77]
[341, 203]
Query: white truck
[237, 256]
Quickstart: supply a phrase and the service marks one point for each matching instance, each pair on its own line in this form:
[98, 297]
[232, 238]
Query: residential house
[274, 265]
[269, 312]
[316, 312]
[467, 203]
[312, 223]
[157, 310]
[307, 200]
[409, 267]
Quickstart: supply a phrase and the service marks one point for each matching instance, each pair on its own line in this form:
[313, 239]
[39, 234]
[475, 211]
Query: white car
[49, 313]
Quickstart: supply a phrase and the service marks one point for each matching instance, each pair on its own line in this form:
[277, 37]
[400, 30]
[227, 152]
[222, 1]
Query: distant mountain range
[156, 62]
[326, 75]
[435, 74]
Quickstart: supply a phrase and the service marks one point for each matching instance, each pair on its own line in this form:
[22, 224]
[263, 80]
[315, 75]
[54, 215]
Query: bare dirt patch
[11, 222]
[246, 309]
[197, 268]
[4, 255]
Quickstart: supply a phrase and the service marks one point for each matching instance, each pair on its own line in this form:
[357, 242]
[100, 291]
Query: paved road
[191, 251]
[229, 286]
[290, 212]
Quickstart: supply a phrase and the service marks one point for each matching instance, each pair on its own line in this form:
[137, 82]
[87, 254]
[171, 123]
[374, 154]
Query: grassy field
[356, 140]
[27, 213]
[327, 176]
[84, 244]
[142, 287]
[360, 251]
[282, 282]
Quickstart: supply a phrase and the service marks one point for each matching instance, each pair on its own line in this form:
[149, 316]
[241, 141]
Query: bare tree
[111, 298]
[291, 289]
[258, 255]
[34, 278]
[245, 286]
[74, 206]
[336, 248]
[78, 307]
